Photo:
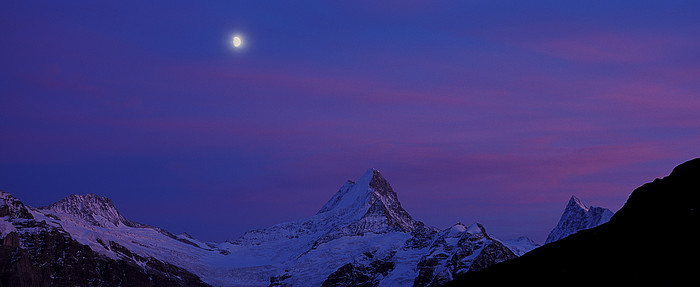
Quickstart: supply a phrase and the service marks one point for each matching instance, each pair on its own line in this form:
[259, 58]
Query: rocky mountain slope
[36, 253]
[651, 241]
[576, 217]
[362, 236]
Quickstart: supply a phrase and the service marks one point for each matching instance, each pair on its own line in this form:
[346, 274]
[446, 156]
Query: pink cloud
[591, 43]
[657, 95]
[603, 47]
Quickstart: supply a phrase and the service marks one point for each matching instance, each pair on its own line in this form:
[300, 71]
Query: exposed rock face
[386, 204]
[367, 274]
[576, 217]
[421, 238]
[652, 240]
[53, 259]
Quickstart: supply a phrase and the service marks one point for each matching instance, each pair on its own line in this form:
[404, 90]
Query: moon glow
[237, 41]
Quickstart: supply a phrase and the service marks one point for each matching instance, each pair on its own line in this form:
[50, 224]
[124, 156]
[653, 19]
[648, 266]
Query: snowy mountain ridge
[362, 228]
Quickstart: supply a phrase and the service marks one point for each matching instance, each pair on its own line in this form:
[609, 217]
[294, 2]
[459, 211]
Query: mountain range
[361, 237]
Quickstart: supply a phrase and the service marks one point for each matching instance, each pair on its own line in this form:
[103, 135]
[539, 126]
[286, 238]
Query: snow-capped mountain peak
[575, 203]
[577, 216]
[92, 208]
[371, 199]
[368, 205]
[358, 194]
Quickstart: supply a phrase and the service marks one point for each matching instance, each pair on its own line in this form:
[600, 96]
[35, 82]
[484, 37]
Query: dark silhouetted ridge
[652, 240]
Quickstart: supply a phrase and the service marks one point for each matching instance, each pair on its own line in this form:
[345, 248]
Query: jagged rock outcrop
[576, 217]
[458, 250]
[367, 273]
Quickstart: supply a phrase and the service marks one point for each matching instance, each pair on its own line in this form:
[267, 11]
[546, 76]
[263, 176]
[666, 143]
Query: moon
[237, 41]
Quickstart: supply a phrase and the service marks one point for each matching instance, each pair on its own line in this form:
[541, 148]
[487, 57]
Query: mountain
[369, 205]
[91, 209]
[652, 240]
[35, 253]
[361, 237]
[577, 216]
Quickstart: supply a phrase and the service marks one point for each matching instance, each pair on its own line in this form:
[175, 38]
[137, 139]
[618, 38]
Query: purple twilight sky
[488, 111]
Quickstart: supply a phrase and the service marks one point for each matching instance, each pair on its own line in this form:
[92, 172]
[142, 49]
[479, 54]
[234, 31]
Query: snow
[405, 270]
[520, 245]
[313, 268]
[91, 207]
[458, 228]
[250, 260]
[350, 225]
[351, 195]
[575, 201]
[475, 228]
[5, 226]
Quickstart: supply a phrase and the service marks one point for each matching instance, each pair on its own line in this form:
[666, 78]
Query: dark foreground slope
[56, 260]
[653, 239]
